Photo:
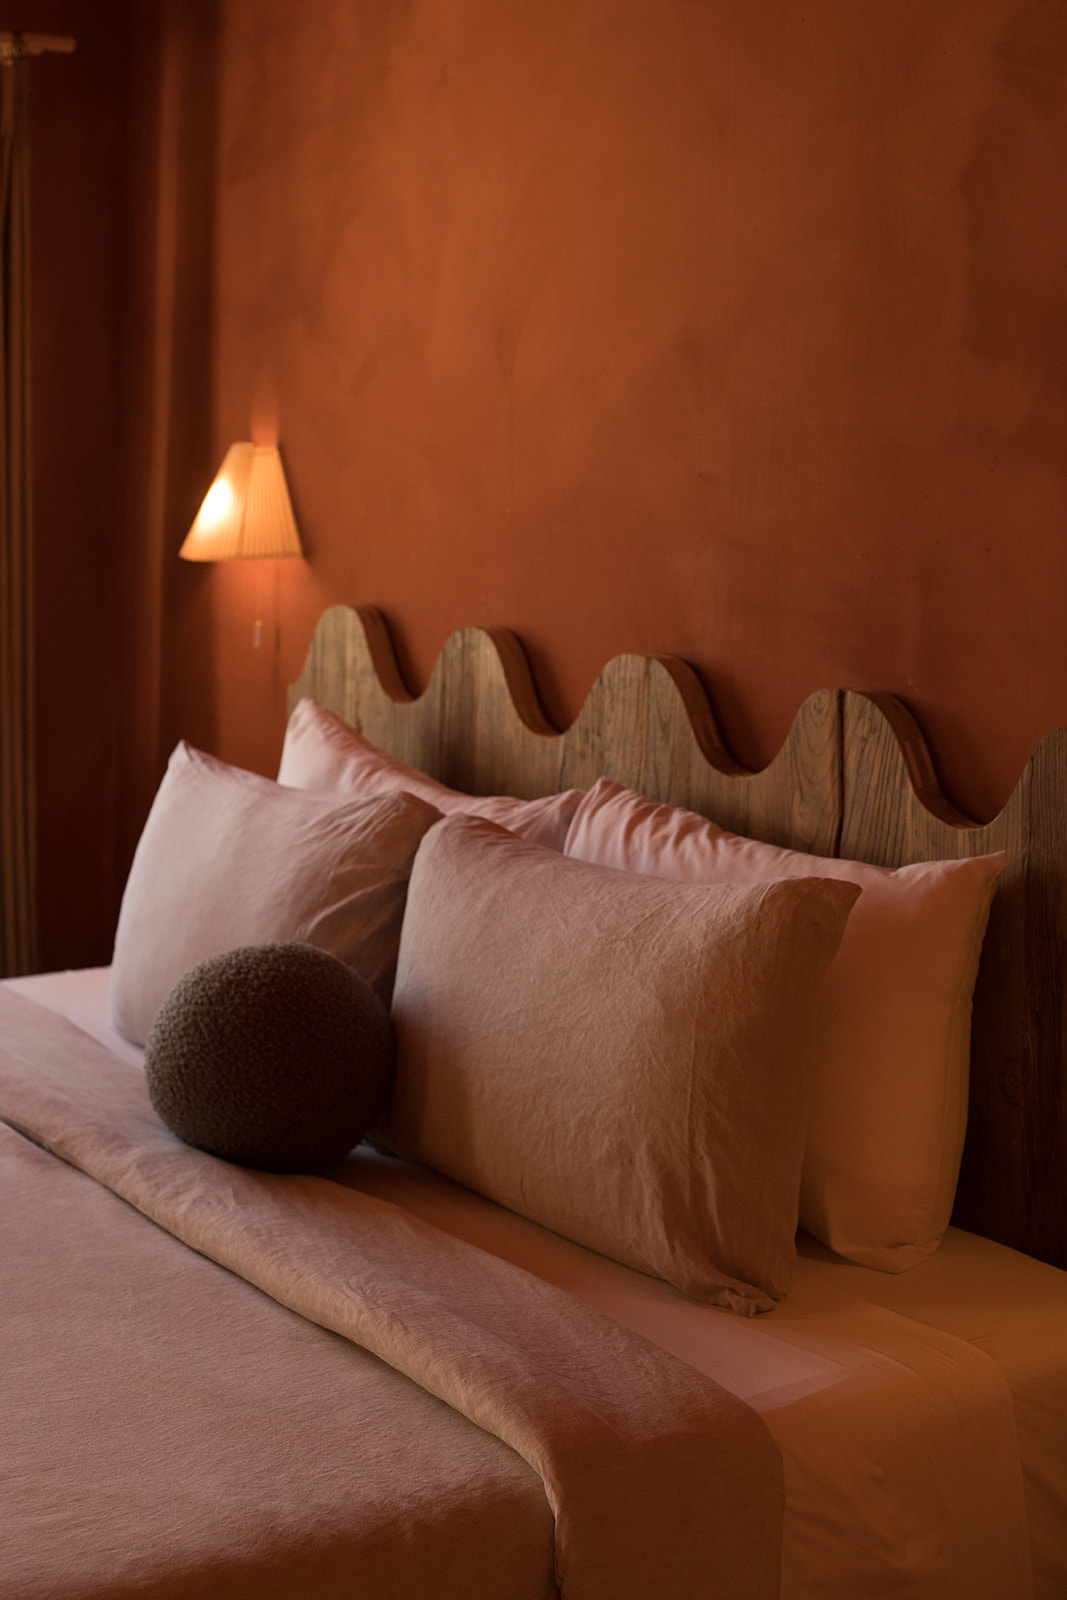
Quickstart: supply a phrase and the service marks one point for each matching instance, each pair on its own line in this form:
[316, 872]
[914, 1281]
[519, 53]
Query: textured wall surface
[670, 325]
[733, 331]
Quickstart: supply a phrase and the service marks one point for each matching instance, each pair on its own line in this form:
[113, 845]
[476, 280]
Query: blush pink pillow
[889, 1100]
[623, 1060]
[321, 751]
[228, 858]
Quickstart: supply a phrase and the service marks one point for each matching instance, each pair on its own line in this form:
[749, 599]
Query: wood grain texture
[854, 778]
[1013, 1185]
[646, 723]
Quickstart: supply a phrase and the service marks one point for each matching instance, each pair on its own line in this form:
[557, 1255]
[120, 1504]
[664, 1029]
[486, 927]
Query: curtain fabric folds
[17, 796]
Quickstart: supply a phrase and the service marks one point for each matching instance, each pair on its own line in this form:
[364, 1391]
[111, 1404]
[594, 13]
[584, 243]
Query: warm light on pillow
[623, 1060]
[322, 752]
[889, 1100]
[228, 858]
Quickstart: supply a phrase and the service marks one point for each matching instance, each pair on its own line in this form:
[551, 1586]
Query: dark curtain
[17, 798]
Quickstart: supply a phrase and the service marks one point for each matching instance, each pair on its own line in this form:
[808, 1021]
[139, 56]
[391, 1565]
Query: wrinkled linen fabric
[228, 858]
[660, 1482]
[903, 1445]
[625, 1060]
[889, 1095]
[1021, 1330]
[170, 1433]
[900, 1448]
[321, 751]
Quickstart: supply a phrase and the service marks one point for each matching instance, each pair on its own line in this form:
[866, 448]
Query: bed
[424, 1373]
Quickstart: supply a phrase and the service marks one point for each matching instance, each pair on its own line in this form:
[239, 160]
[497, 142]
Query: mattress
[921, 1417]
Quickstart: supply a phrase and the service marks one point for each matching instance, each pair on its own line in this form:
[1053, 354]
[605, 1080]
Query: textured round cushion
[276, 1056]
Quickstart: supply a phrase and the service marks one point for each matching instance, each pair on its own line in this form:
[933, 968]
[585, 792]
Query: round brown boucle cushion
[277, 1056]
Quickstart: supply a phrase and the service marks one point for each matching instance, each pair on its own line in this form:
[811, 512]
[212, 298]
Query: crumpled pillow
[322, 752]
[228, 858]
[623, 1060]
[889, 1097]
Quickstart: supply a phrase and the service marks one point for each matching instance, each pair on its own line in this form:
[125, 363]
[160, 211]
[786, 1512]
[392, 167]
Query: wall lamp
[246, 514]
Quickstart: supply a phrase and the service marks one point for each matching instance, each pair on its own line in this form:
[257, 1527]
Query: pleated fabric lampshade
[246, 513]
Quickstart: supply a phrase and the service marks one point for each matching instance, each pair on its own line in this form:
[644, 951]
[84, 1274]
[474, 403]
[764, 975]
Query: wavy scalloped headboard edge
[853, 778]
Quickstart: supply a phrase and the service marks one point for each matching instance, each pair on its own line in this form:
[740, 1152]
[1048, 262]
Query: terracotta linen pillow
[623, 1060]
[230, 858]
[889, 1099]
[321, 751]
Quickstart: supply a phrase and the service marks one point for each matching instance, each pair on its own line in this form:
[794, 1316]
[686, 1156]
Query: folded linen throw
[661, 1483]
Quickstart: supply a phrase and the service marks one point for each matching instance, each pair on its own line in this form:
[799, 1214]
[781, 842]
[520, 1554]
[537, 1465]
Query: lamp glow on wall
[246, 515]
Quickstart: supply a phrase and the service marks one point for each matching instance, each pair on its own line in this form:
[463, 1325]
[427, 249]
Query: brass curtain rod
[34, 44]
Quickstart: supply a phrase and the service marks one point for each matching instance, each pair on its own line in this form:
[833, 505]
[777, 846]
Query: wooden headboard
[853, 779]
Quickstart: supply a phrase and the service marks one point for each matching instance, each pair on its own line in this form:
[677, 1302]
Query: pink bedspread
[659, 1482]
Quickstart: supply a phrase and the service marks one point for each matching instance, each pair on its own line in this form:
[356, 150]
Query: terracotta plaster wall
[733, 331]
[658, 325]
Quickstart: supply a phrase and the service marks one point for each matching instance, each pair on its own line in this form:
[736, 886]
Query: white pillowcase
[321, 751]
[889, 1102]
[229, 858]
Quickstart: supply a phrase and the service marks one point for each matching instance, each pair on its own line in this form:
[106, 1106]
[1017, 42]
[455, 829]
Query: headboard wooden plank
[854, 778]
[646, 723]
[478, 719]
[1013, 1184]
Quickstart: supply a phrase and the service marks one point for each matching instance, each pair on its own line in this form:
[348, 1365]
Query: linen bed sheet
[922, 1418]
[919, 1463]
[659, 1481]
[175, 1434]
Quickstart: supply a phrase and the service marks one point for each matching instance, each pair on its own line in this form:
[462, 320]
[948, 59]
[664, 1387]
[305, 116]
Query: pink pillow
[889, 1103]
[228, 858]
[623, 1060]
[322, 752]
